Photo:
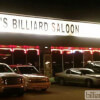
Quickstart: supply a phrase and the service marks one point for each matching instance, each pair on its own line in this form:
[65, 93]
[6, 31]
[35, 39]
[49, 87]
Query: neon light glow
[12, 48]
[70, 50]
[25, 51]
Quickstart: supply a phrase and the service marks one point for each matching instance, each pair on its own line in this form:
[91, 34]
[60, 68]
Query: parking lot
[55, 92]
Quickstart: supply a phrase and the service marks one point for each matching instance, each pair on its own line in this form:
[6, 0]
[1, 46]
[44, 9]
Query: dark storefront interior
[60, 61]
[19, 56]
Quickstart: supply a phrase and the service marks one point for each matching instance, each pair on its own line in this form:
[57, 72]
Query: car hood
[34, 76]
[9, 75]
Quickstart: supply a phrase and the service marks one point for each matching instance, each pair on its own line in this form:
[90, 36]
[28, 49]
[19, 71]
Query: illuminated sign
[44, 26]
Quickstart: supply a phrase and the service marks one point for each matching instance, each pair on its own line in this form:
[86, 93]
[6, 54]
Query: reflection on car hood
[9, 75]
[94, 75]
[34, 76]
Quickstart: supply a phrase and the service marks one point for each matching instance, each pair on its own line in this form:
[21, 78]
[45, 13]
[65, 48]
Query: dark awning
[18, 39]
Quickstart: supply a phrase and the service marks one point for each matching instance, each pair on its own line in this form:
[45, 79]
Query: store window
[19, 57]
[33, 58]
[5, 56]
[68, 60]
[78, 59]
[56, 62]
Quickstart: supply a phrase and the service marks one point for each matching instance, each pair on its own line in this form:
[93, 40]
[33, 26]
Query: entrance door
[56, 62]
[78, 59]
[19, 57]
[6, 56]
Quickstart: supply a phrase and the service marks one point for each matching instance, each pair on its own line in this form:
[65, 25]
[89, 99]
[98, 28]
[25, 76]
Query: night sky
[82, 10]
[85, 10]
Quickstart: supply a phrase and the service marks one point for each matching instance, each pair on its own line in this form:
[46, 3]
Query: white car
[33, 79]
[10, 82]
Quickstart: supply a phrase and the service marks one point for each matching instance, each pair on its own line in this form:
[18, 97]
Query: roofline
[52, 18]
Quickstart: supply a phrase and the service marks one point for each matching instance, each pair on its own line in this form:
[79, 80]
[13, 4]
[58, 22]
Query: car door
[67, 76]
[75, 76]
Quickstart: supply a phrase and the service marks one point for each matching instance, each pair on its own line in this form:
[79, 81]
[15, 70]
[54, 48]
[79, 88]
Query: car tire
[61, 82]
[89, 83]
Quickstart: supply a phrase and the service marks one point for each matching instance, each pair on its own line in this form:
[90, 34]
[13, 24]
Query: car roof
[3, 63]
[21, 66]
[16, 66]
[95, 61]
[80, 69]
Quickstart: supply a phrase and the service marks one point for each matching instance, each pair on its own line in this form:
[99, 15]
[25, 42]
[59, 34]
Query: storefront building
[50, 44]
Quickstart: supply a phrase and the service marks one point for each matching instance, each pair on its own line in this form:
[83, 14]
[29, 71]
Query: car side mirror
[15, 70]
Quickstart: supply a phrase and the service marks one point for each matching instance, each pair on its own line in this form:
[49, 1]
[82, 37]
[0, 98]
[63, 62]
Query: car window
[27, 70]
[92, 66]
[87, 71]
[96, 67]
[4, 68]
[75, 72]
[96, 62]
[89, 65]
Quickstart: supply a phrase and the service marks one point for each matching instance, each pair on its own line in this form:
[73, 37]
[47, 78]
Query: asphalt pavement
[55, 92]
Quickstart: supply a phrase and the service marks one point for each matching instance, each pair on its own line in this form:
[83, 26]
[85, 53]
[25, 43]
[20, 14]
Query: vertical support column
[83, 60]
[62, 63]
[39, 62]
[12, 58]
[73, 60]
[26, 58]
[47, 62]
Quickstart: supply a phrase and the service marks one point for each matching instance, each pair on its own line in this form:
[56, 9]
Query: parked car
[95, 65]
[83, 76]
[33, 79]
[10, 82]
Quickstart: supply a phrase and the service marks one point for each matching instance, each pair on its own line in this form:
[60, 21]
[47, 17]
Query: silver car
[83, 76]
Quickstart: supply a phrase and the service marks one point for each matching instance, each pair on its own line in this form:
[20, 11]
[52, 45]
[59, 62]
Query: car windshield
[95, 66]
[97, 63]
[4, 68]
[87, 71]
[28, 70]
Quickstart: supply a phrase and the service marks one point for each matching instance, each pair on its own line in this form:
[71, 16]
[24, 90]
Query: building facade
[51, 44]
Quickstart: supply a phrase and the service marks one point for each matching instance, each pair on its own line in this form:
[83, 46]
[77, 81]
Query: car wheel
[89, 83]
[61, 82]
